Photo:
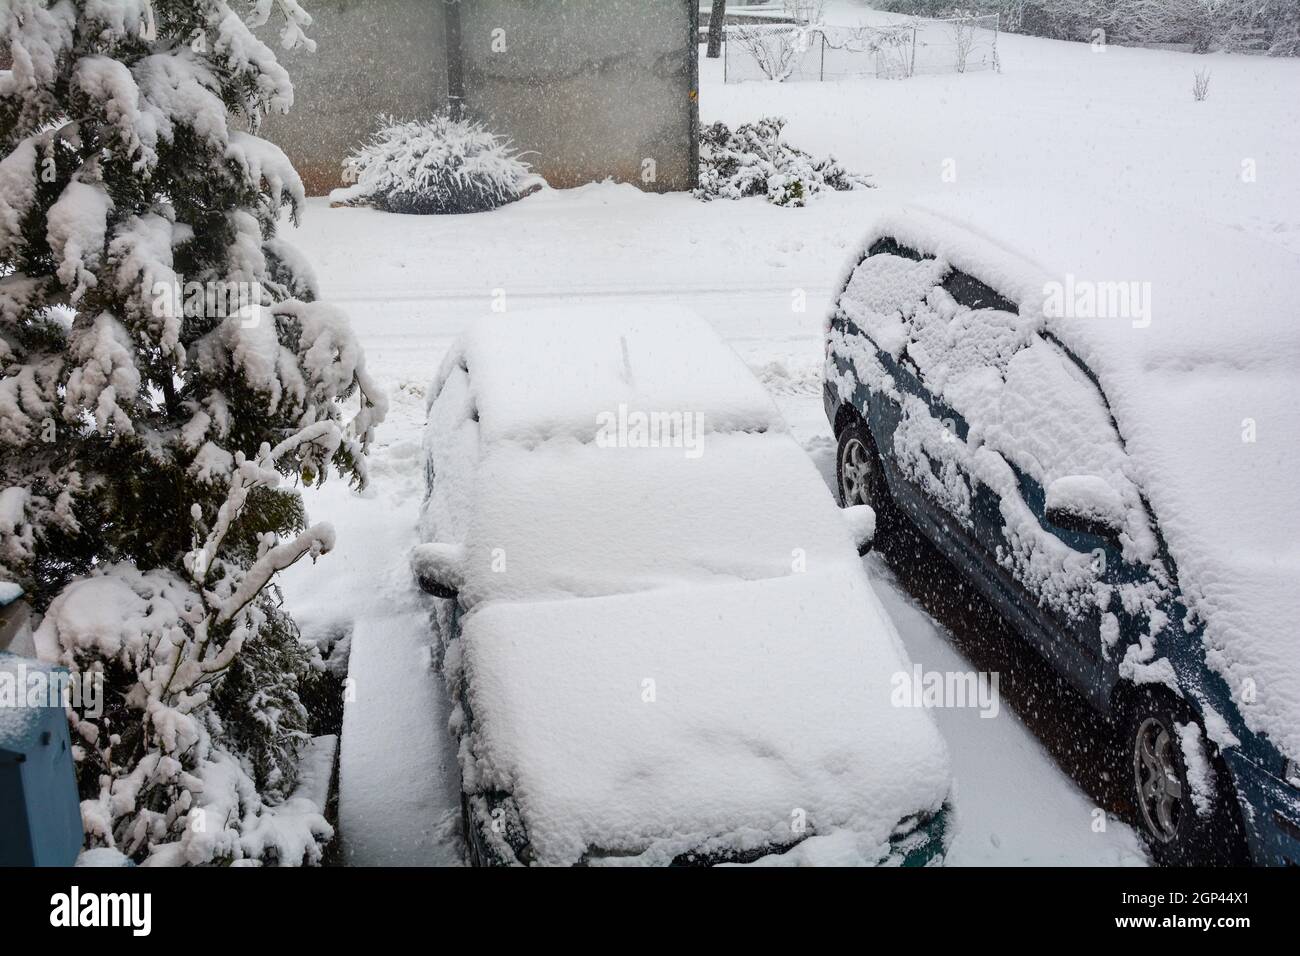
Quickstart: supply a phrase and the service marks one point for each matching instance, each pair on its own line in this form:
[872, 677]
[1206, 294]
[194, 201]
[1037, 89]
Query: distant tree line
[1266, 26]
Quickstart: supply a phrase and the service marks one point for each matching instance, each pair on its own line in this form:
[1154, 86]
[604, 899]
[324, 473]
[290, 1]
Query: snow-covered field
[1120, 125]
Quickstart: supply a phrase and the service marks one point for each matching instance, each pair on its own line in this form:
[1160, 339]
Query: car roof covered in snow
[716, 719]
[1216, 293]
[544, 373]
[1204, 388]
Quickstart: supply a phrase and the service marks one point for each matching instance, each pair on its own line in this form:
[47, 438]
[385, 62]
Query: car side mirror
[861, 522]
[1086, 504]
[439, 569]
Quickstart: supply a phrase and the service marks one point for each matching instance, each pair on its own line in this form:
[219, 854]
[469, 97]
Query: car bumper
[920, 840]
[925, 843]
[1270, 810]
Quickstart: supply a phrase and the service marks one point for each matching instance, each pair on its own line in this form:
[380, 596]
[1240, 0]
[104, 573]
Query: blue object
[40, 812]
[1261, 785]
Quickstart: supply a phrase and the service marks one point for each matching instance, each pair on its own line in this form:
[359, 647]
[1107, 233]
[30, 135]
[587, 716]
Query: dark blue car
[1070, 404]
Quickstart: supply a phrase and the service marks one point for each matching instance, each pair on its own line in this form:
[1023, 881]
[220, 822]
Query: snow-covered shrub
[752, 160]
[774, 50]
[805, 11]
[434, 166]
[146, 431]
[1200, 85]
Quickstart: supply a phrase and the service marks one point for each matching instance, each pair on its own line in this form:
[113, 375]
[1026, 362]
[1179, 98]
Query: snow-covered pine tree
[164, 369]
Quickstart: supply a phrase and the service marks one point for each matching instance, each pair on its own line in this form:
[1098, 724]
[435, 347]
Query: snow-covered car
[659, 637]
[1095, 415]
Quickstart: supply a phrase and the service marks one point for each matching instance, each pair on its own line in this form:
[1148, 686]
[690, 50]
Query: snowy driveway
[763, 276]
[614, 245]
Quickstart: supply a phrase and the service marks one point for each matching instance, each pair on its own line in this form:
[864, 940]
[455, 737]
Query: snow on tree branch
[317, 540]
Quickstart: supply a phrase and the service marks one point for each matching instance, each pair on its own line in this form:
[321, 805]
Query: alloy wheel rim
[855, 473]
[1159, 784]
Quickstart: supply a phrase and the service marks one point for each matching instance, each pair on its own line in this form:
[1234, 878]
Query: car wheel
[859, 478]
[1178, 832]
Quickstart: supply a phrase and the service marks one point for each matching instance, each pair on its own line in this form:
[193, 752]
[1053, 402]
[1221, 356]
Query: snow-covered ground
[1119, 124]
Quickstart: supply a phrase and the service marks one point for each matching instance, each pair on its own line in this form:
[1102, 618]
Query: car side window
[960, 332]
[888, 246]
[970, 292]
[1051, 422]
[884, 293]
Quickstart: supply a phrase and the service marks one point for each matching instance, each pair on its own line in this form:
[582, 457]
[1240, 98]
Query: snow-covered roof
[708, 718]
[1204, 387]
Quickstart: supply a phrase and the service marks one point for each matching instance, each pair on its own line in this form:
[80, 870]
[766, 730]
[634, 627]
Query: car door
[880, 311]
[958, 329]
[986, 405]
[1050, 425]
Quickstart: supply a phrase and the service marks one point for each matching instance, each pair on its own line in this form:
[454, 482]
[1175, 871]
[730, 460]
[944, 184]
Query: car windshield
[570, 518]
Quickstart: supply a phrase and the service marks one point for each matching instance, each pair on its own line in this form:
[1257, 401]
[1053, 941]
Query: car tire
[1165, 814]
[860, 479]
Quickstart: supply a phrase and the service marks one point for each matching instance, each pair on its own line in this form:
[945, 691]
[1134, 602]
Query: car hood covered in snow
[1204, 386]
[718, 720]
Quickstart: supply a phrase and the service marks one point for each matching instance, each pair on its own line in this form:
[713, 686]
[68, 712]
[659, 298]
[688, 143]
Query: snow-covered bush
[752, 160]
[805, 11]
[774, 50]
[163, 370]
[434, 166]
[1200, 85]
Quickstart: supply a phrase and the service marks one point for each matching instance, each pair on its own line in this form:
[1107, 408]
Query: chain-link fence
[762, 52]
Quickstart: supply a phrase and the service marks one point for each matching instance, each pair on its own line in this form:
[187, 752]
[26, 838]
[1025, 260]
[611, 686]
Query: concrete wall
[591, 88]
[594, 88]
[372, 57]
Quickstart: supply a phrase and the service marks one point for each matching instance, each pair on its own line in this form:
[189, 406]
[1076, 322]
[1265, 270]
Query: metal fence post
[911, 69]
[997, 28]
[822, 34]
